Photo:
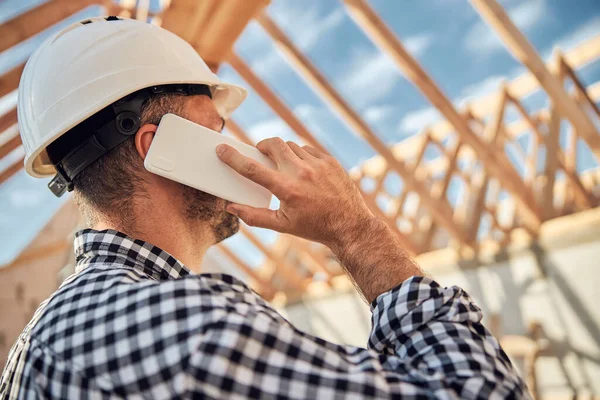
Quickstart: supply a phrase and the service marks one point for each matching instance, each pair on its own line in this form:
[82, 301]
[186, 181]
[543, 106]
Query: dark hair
[108, 186]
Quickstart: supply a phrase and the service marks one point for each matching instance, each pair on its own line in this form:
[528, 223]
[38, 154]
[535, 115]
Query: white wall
[559, 287]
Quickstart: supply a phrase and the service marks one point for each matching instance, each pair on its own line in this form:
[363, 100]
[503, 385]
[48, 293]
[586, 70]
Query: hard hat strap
[104, 131]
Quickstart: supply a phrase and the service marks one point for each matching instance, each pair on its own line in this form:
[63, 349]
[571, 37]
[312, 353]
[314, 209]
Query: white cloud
[307, 38]
[274, 127]
[415, 121]
[270, 64]
[370, 76]
[482, 38]
[527, 14]
[306, 26]
[488, 85]
[25, 198]
[305, 111]
[295, 22]
[417, 45]
[379, 113]
[582, 33]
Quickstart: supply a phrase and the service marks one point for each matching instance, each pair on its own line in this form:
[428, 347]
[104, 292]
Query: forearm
[373, 257]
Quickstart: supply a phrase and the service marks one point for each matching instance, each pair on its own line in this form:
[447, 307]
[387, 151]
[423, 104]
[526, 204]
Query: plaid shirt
[134, 322]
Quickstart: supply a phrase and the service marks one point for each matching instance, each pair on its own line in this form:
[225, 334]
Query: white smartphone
[185, 152]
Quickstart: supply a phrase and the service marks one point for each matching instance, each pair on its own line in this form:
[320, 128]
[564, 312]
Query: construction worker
[138, 319]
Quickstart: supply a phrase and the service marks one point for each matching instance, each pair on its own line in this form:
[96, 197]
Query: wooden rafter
[273, 101]
[34, 21]
[497, 163]
[520, 47]
[11, 170]
[520, 87]
[238, 132]
[552, 148]
[131, 9]
[10, 80]
[579, 191]
[441, 211]
[441, 190]
[7, 120]
[211, 26]
[10, 143]
[288, 272]
[264, 287]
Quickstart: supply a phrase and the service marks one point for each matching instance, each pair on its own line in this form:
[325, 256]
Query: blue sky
[454, 45]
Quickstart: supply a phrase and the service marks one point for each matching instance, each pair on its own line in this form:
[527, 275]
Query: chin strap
[124, 121]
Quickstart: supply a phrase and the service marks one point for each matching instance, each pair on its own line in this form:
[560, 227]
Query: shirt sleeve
[426, 341]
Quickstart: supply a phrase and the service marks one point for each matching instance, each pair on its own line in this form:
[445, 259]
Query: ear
[143, 139]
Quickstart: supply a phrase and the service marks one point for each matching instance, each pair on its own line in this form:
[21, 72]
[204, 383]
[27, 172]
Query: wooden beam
[310, 257]
[288, 272]
[265, 287]
[283, 111]
[238, 132]
[215, 39]
[273, 101]
[520, 87]
[523, 51]
[35, 254]
[34, 21]
[441, 192]
[492, 133]
[8, 119]
[11, 170]
[496, 162]
[198, 19]
[183, 17]
[9, 144]
[10, 80]
[129, 9]
[582, 90]
[553, 157]
[211, 26]
[441, 211]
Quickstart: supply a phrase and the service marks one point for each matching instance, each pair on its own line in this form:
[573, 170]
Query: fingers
[260, 217]
[277, 149]
[314, 152]
[248, 168]
[300, 152]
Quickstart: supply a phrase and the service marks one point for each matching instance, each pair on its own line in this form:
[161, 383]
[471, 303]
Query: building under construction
[494, 195]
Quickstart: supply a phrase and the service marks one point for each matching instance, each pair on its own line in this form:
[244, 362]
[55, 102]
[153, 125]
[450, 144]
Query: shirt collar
[110, 246]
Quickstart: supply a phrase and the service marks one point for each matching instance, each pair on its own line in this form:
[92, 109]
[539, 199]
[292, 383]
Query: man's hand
[319, 202]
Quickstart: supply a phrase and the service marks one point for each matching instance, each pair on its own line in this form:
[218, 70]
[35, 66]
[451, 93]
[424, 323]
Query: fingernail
[221, 149]
[232, 210]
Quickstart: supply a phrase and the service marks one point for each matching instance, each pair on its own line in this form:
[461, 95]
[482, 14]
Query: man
[137, 320]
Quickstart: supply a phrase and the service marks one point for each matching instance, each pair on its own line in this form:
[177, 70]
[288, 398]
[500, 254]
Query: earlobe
[143, 139]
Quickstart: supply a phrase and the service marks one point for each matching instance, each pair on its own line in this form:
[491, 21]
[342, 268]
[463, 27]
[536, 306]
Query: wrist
[357, 232]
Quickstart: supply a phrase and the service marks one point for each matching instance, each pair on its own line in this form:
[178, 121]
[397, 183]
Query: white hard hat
[93, 63]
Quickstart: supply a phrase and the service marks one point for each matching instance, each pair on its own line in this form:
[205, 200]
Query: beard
[202, 207]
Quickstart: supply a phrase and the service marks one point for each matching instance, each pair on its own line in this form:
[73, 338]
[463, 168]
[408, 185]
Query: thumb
[259, 217]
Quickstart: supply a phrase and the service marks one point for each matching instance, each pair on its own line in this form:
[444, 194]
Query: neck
[161, 224]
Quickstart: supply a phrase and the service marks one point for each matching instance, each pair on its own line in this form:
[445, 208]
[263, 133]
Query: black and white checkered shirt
[133, 322]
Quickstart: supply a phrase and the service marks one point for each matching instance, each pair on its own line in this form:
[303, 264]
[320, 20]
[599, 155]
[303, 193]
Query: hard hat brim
[226, 97]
